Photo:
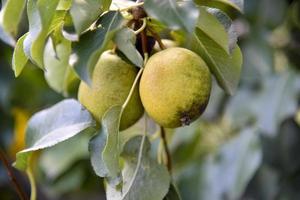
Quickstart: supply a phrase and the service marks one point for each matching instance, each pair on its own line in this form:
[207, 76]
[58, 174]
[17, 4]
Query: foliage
[244, 146]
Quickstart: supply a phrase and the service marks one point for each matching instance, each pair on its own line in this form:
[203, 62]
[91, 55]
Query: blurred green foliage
[244, 147]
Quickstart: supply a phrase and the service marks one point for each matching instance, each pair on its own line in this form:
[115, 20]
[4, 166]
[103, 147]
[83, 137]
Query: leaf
[6, 37]
[143, 178]
[11, 15]
[84, 13]
[58, 21]
[59, 74]
[52, 126]
[19, 59]
[230, 7]
[40, 14]
[98, 142]
[226, 68]
[175, 16]
[226, 173]
[228, 25]
[210, 25]
[125, 40]
[93, 43]
[268, 114]
[96, 147]
[59, 159]
[64, 5]
[111, 152]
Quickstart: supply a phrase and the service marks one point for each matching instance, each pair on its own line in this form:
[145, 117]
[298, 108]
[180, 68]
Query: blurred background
[245, 146]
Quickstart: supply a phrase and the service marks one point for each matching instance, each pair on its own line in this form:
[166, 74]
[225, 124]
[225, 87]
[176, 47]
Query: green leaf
[175, 15]
[6, 37]
[93, 43]
[19, 59]
[96, 147]
[98, 142]
[57, 21]
[230, 7]
[84, 13]
[230, 169]
[40, 14]
[111, 152]
[64, 5]
[227, 24]
[57, 160]
[125, 40]
[268, 114]
[52, 126]
[143, 178]
[59, 74]
[210, 25]
[226, 68]
[11, 15]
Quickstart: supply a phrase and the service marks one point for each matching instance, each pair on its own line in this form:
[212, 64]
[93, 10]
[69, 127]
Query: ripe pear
[175, 87]
[111, 82]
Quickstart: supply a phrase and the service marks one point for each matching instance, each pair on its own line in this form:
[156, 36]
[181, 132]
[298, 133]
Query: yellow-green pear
[175, 87]
[111, 82]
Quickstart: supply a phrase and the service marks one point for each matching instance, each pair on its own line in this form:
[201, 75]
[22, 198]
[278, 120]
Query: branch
[12, 177]
[157, 38]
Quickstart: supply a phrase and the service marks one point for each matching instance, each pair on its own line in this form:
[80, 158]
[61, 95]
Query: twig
[12, 177]
[132, 6]
[144, 42]
[157, 38]
[166, 148]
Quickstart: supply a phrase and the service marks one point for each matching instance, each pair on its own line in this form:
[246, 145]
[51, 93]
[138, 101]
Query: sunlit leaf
[52, 126]
[19, 59]
[11, 15]
[40, 14]
[5, 37]
[59, 73]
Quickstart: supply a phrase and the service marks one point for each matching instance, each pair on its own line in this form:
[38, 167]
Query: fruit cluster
[174, 88]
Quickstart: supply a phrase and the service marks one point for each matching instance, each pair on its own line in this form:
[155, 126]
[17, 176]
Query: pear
[111, 82]
[175, 87]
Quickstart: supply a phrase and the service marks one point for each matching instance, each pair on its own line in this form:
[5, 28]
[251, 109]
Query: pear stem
[142, 27]
[132, 88]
